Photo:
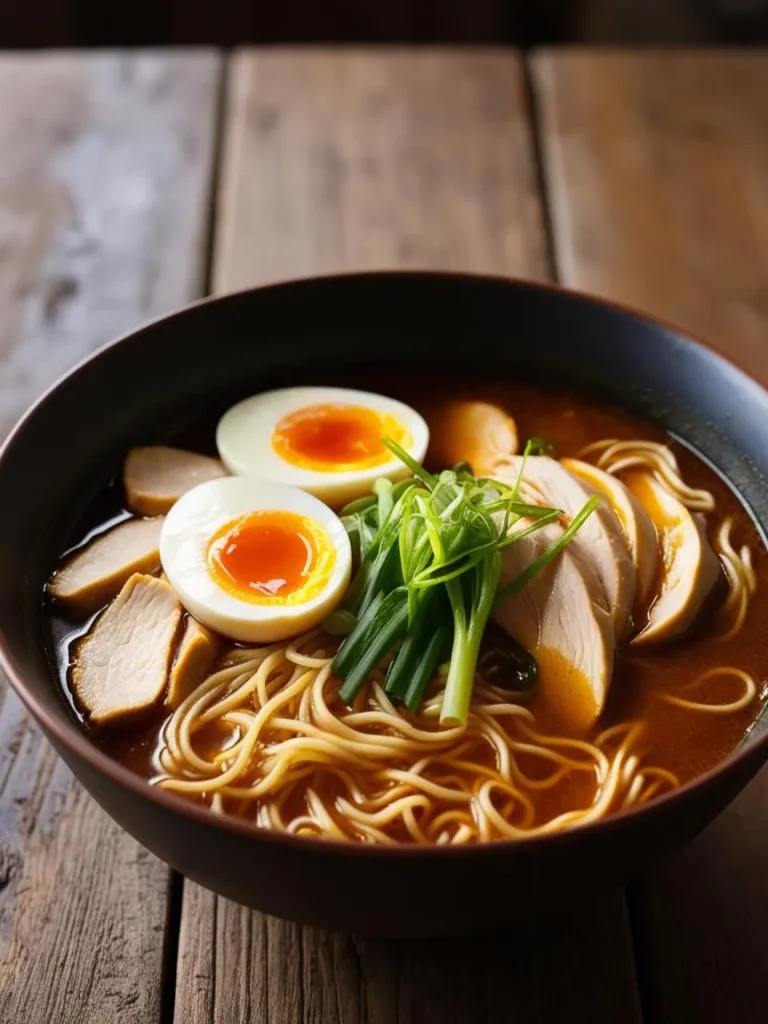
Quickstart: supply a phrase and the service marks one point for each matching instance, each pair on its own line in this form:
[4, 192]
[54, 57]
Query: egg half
[326, 441]
[255, 560]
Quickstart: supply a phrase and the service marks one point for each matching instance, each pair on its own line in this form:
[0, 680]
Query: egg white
[187, 533]
[244, 440]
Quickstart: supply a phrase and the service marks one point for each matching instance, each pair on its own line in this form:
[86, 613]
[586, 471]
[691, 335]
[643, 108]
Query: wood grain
[242, 966]
[657, 169]
[104, 184]
[359, 161]
[657, 166]
[368, 159]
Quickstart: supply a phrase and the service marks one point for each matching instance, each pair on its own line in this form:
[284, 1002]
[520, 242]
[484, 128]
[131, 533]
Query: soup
[519, 613]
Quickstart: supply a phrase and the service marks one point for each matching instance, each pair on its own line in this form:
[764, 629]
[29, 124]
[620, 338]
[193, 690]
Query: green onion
[423, 668]
[358, 505]
[471, 600]
[363, 631]
[368, 647]
[546, 557]
[416, 468]
[383, 491]
[340, 623]
[431, 613]
[430, 553]
[541, 446]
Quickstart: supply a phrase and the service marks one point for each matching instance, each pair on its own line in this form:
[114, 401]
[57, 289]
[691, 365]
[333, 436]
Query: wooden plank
[195, 970]
[358, 161]
[104, 185]
[363, 160]
[657, 166]
[243, 966]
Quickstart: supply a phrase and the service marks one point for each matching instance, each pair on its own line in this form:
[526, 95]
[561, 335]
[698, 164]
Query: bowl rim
[69, 735]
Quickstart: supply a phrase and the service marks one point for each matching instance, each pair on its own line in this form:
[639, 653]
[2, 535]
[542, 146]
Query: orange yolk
[270, 557]
[336, 437]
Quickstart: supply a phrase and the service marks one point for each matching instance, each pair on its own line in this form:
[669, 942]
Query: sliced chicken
[121, 666]
[475, 432]
[95, 573]
[193, 662]
[560, 617]
[156, 477]
[599, 543]
[639, 531]
[689, 567]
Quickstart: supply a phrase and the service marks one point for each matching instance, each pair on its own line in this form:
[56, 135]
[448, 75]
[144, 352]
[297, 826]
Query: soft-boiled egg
[326, 441]
[255, 560]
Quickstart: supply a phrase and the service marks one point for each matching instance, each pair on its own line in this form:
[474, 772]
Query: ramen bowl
[147, 383]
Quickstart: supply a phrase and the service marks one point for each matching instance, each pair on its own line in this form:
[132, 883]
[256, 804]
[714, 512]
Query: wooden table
[133, 183]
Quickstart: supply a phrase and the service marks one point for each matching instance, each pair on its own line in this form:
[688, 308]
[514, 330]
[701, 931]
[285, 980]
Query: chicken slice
[474, 432]
[639, 531]
[193, 662]
[156, 477]
[121, 667]
[559, 616]
[689, 567]
[95, 573]
[599, 543]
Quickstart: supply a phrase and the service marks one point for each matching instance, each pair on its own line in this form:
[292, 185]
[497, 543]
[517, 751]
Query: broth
[677, 739]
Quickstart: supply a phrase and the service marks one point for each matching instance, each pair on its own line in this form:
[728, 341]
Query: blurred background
[33, 23]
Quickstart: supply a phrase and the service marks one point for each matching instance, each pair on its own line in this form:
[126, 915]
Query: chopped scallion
[430, 555]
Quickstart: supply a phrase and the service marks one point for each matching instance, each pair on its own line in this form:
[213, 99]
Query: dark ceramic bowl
[142, 386]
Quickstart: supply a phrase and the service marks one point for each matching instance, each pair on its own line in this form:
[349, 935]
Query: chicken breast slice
[121, 667]
[639, 531]
[155, 477]
[193, 662]
[559, 616]
[600, 542]
[94, 574]
[689, 568]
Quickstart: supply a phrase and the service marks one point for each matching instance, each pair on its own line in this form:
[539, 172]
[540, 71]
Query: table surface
[131, 183]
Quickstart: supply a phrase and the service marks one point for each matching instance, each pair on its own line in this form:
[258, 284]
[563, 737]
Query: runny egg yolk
[337, 437]
[271, 557]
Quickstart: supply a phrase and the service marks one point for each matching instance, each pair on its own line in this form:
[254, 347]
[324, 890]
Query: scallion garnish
[429, 551]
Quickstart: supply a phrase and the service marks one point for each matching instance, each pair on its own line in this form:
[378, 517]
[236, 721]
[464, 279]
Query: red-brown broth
[683, 741]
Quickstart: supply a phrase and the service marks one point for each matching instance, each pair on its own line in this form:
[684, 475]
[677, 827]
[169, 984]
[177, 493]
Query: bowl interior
[159, 378]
